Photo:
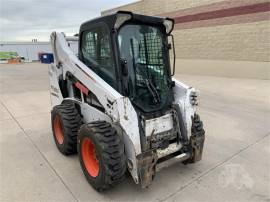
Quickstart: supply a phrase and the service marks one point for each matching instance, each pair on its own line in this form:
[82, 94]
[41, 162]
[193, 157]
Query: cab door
[97, 53]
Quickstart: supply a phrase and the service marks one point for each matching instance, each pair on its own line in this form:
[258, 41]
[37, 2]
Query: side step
[179, 155]
[147, 165]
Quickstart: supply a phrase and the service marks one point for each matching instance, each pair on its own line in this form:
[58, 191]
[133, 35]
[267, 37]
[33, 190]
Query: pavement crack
[213, 168]
[39, 151]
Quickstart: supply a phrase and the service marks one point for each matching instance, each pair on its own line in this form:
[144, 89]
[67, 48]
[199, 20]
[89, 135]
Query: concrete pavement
[235, 165]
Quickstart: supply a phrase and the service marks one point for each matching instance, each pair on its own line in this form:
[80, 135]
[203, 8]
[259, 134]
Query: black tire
[108, 155]
[197, 125]
[66, 122]
[198, 131]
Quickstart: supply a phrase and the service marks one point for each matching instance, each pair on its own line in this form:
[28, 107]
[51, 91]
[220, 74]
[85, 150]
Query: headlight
[193, 98]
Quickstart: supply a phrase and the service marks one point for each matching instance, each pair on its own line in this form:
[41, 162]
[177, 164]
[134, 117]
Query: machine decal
[54, 94]
[54, 89]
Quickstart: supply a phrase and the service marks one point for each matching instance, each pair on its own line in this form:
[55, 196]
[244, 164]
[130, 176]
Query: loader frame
[117, 109]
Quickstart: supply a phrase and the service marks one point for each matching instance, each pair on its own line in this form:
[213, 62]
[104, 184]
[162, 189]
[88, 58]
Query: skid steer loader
[115, 101]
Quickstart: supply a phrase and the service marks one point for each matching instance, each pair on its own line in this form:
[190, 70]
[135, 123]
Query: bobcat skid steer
[115, 101]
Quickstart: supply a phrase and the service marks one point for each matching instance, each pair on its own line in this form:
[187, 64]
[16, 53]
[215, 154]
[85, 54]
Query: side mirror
[124, 67]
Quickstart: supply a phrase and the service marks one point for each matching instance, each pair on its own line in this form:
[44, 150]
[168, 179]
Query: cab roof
[111, 19]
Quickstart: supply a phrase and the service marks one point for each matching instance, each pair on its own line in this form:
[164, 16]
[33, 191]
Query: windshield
[142, 47]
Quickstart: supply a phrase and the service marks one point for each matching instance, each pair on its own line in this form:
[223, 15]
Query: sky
[24, 20]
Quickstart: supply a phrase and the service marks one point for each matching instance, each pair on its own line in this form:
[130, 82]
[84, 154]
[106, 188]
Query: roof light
[193, 97]
[169, 24]
[121, 18]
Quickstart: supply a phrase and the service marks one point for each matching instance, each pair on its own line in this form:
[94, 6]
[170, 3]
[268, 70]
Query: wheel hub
[89, 157]
[58, 130]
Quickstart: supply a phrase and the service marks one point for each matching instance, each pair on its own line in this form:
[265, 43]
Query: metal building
[30, 50]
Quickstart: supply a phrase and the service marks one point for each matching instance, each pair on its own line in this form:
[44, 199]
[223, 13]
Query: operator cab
[131, 53]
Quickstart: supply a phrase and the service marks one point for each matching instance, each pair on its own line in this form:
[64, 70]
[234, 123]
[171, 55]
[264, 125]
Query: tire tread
[71, 121]
[112, 152]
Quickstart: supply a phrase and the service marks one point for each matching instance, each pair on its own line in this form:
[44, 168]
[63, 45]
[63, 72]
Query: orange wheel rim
[58, 129]
[89, 157]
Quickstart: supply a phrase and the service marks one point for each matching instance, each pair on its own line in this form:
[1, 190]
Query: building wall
[154, 7]
[216, 37]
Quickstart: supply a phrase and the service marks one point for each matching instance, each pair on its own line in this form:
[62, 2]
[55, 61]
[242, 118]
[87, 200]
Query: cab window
[96, 53]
